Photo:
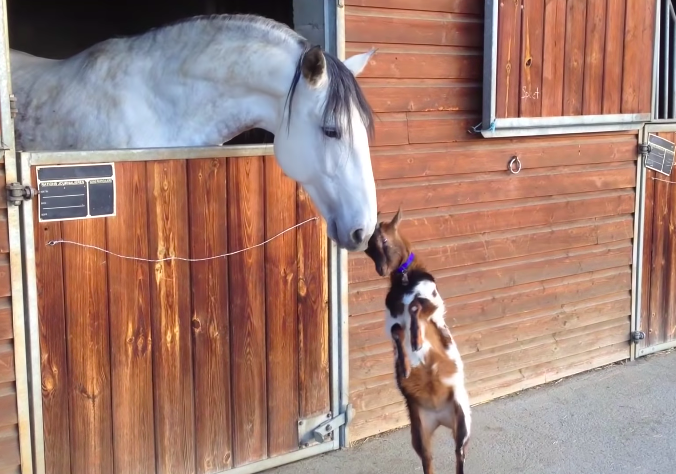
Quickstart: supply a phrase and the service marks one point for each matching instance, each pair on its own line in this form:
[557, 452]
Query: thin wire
[664, 180]
[54, 242]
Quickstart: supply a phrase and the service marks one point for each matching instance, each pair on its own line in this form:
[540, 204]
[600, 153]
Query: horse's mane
[343, 89]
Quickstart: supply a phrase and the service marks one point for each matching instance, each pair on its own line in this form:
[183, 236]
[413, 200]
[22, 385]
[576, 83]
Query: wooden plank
[374, 25]
[668, 318]
[460, 158]
[593, 57]
[207, 186]
[130, 327]
[53, 345]
[246, 227]
[645, 71]
[403, 61]
[660, 265]
[476, 249]
[553, 58]
[509, 41]
[390, 129]
[281, 286]
[5, 285]
[633, 51]
[421, 95]
[493, 187]
[6, 331]
[530, 71]
[170, 317]
[473, 219]
[573, 69]
[8, 413]
[10, 455]
[313, 311]
[436, 127]
[613, 56]
[7, 362]
[3, 182]
[449, 6]
[87, 320]
[4, 235]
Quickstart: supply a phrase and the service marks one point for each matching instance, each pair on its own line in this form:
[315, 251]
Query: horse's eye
[330, 132]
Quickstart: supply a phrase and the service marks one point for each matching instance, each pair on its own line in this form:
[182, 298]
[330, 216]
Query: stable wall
[535, 267]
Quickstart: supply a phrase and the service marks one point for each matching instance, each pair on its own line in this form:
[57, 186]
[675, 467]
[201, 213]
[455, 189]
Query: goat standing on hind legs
[428, 367]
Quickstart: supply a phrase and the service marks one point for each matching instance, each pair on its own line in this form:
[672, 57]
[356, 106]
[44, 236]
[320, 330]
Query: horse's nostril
[358, 236]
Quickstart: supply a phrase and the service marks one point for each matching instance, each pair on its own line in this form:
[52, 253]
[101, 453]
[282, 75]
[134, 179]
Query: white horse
[201, 82]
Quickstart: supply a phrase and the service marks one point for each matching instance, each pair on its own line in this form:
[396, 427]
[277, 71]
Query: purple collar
[404, 266]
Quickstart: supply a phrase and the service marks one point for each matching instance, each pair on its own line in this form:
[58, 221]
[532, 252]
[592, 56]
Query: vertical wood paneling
[282, 323]
[613, 56]
[509, 37]
[210, 320]
[53, 346]
[532, 43]
[573, 68]
[633, 51]
[130, 328]
[170, 303]
[87, 327]
[593, 58]
[312, 312]
[553, 57]
[246, 227]
[646, 59]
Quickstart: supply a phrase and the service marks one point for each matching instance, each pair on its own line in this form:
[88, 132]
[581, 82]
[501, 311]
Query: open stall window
[567, 66]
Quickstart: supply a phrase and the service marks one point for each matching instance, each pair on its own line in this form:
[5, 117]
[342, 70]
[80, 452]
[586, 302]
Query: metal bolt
[300, 423]
[328, 428]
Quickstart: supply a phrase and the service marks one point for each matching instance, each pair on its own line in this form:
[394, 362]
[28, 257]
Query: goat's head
[386, 247]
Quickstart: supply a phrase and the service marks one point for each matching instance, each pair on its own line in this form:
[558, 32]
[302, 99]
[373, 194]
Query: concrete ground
[614, 420]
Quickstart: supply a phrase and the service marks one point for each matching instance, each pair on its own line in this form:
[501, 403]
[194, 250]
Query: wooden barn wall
[535, 268]
[658, 285]
[574, 57]
[182, 367]
[9, 429]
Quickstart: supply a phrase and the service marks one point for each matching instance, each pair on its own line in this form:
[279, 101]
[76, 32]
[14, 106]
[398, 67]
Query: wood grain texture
[88, 330]
[633, 51]
[403, 61]
[5, 277]
[6, 331]
[390, 129]
[593, 57]
[613, 56]
[573, 68]
[553, 57]
[130, 327]
[449, 6]
[531, 64]
[509, 37]
[246, 227]
[440, 127]
[421, 95]
[53, 346]
[8, 414]
[313, 311]
[281, 287]
[646, 60]
[7, 373]
[207, 185]
[4, 235]
[10, 455]
[170, 316]
[379, 25]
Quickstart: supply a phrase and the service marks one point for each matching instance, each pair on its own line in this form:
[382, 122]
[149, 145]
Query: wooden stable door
[658, 283]
[183, 367]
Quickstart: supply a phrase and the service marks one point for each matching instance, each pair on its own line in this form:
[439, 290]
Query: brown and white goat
[428, 367]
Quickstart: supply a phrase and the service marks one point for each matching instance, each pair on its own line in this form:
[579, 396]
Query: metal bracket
[18, 193]
[644, 149]
[12, 106]
[319, 429]
[637, 336]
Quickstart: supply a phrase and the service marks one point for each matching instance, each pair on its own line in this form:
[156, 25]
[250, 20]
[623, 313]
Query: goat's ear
[313, 65]
[397, 218]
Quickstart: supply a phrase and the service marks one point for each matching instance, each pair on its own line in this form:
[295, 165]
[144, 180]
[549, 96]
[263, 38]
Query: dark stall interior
[60, 28]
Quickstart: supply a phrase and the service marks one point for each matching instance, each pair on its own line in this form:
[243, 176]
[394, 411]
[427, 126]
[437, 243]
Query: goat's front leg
[402, 366]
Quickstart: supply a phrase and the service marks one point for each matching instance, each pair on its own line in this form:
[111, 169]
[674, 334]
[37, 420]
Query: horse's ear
[313, 65]
[358, 62]
[396, 219]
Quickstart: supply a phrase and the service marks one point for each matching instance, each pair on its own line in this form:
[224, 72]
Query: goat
[428, 368]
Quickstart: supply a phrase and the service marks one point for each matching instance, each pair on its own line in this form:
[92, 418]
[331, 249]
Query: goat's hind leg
[421, 437]
[461, 431]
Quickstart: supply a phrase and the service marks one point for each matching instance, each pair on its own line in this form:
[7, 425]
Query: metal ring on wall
[510, 167]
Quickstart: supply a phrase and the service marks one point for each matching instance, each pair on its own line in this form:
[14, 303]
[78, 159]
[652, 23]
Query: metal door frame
[640, 244]
[21, 228]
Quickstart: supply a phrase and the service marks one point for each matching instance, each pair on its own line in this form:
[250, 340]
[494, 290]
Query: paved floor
[615, 420]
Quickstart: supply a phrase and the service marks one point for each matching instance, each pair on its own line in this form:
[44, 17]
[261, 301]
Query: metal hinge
[637, 336]
[12, 106]
[319, 429]
[644, 149]
[18, 193]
